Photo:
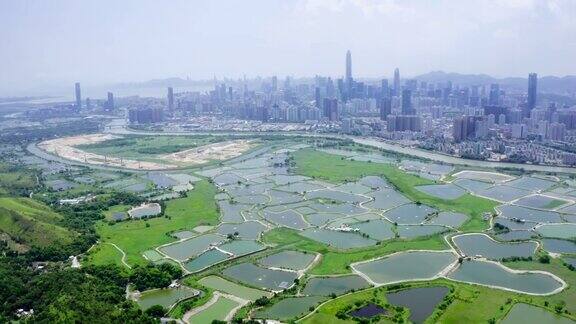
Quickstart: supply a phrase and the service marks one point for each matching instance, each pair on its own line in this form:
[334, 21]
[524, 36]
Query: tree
[156, 311]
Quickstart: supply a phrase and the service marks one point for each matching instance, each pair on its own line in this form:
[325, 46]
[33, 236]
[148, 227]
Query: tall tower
[396, 82]
[170, 99]
[348, 66]
[78, 96]
[532, 92]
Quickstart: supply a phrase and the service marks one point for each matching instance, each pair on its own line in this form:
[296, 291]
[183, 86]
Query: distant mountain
[546, 84]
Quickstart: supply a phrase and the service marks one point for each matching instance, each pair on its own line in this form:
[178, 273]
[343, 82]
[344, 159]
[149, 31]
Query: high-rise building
[317, 97]
[348, 66]
[494, 94]
[384, 89]
[532, 92]
[349, 80]
[385, 106]
[110, 102]
[170, 99]
[464, 127]
[407, 103]
[78, 96]
[396, 82]
[331, 109]
[402, 123]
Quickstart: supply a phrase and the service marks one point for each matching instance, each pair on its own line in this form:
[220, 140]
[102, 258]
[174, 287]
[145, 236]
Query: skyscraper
[348, 66]
[348, 74]
[532, 92]
[396, 82]
[331, 109]
[494, 96]
[407, 103]
[385, 106]
[170, 99]
[384, 89]
[110, 101]
[78, 96]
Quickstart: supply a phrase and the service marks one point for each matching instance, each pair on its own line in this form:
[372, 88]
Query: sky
[44, 43]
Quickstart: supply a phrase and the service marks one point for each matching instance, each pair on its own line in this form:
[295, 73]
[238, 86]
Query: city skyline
[280, 38]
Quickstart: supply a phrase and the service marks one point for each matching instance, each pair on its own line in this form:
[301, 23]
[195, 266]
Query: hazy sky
[60, 41]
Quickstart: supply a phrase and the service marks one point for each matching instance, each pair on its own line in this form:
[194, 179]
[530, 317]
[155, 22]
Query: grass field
[135, 237]
[142, 147]
[31, 222]
[337, 262]
[334, 169]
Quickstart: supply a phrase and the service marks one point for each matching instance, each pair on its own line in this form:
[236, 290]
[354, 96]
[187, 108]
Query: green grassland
[335, 169]
[32, 223]
[337, 261]
[142, 147]
[135, 237]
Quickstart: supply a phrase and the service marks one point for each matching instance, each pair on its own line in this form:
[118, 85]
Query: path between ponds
[123, 255]
[217, 295]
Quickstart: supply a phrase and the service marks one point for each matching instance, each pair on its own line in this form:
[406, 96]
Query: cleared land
[115, 151]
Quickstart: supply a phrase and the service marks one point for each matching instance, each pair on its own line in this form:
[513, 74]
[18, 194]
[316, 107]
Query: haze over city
[58, 42]
[305, 161]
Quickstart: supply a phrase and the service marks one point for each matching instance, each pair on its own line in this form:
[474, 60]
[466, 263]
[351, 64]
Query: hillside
[31, 223]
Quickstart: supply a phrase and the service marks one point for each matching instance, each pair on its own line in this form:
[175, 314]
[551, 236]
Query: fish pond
[528, 314]
[420, 301]
[293, 260]
[406, 266]
[165, 297]
[256, 276]
[496, 275]
[480, 244]
[326, 286]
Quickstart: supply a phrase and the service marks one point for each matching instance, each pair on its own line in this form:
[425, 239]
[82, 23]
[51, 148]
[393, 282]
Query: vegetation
[90, 295]
[332, 168]
[136, 236]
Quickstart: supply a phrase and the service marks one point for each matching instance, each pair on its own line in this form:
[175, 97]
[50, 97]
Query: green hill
[31, 223]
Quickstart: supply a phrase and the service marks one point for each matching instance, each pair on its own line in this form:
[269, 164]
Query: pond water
[448, 219]
[420, 301]
[345, 208]
[412, 231]
[540, 201]
[252, 199]
[373, 182]
[480, 244]
[559, 246]
[528, 314]
[300, 187]
[514, 225]
[288, 218]
[353, 188]
[409, 214]
[241, 247]
[386, 198]
[192, 247]
[231, 213]
[531, 183]
[368, 311]
[294, 260]
[515, 236]
[247, 230]
[340, 240]
[216, 311]
[336, 195]
[261, 277]
[532, 215]
[165, 297]
[442, 191]
[289, 308]
[205, 260]
[319, 219]
[406, 266]
[325, 286]
[503, 193]
[183, 234]
[493, 274]
[472, 185]
[282, 197]
[378, 229]
[563, 231]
